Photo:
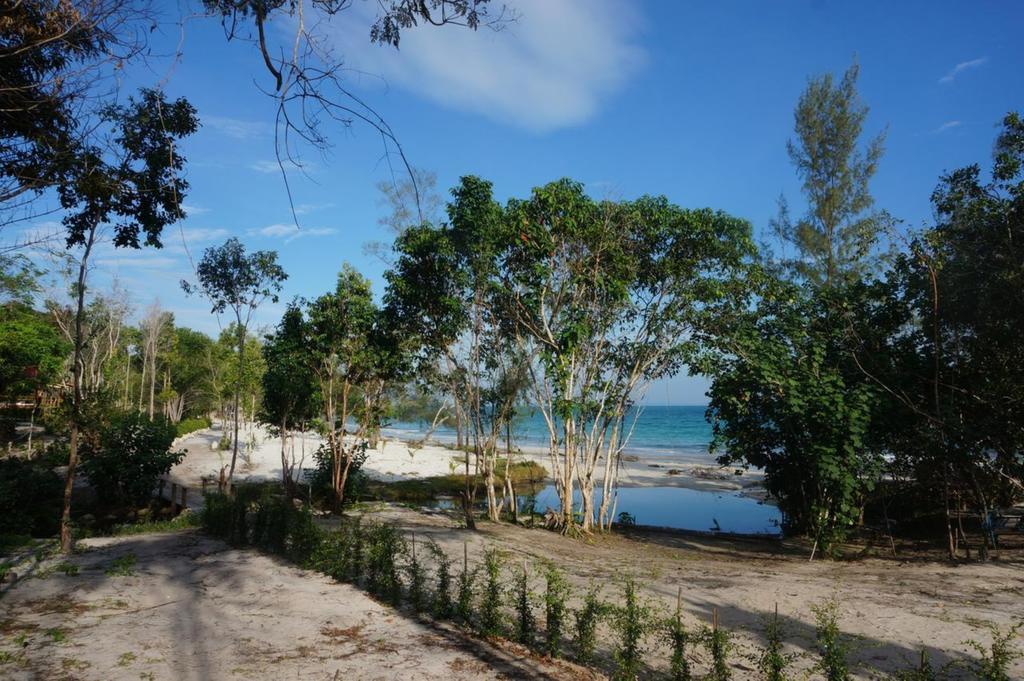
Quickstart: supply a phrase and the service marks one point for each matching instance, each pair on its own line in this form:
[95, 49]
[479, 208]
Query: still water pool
[675, 508]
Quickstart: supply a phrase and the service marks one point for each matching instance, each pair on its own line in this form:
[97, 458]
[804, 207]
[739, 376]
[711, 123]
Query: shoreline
[396, 459]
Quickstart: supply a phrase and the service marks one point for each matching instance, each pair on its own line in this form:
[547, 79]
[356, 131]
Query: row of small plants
[494, 599]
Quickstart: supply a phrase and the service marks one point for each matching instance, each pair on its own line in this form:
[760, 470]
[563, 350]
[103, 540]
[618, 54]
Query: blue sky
[691, 100]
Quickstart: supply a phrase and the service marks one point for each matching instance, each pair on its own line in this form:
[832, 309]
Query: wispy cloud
[961, 67]
[948, 125]
[265, 167]
[307, 208]
[236, 128]
[290, 233]
[191, 210]
[553, 68]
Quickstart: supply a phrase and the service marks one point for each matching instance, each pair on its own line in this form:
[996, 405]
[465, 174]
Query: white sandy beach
[395, 460]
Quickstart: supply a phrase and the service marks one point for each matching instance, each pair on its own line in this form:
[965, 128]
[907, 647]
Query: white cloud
[961, 67]
[191, 210]
[237, 129]
[290, 232]
[265, 167]
[550, 69]
[948, 125]
[306, 208]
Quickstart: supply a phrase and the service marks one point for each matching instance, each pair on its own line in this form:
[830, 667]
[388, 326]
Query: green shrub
[384, 546]
[526, 623]
[417, 576]
[586, 619]
[218, 514]
[922, 671]
[128, 457]
[467, 592]
[30, 498]
[320, 477]
[831, 647]
[996, 658]
[678, 638]
[443, 608]
[631, 621]
[355, 558]
[773, 661]
[490, 601]
[719, 643]
[191, 425]
[556, 593]
[329, 555]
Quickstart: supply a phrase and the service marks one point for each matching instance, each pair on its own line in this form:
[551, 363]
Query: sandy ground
[891, 609]
[196, 609]
[396, 460]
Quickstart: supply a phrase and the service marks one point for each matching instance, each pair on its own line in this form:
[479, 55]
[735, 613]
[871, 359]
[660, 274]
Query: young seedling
[632, 620]
[417, 579]
[831, 648]
[678, 638]
[464, 601]
[773, 661]
[997, 658]
[586, 619]
[718, 644]
[555, 596]
[443, 607]
[526, 624]
[490, 602]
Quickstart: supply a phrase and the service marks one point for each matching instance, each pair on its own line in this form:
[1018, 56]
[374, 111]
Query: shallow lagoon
[675, 508]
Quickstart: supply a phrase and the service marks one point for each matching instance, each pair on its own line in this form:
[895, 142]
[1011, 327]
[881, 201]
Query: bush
[443, 606]
[129, 457]
[526, 624]
[186, 426]
[555, 596]
[467, 589]
[587, 618]
[490, 602]
[30, 498]
[678, 637]
[719, 644]
[384, 546]
[997, 658]
[832, 649]
[417, 576]
[631, 621]
[773, 661]
[320, 477]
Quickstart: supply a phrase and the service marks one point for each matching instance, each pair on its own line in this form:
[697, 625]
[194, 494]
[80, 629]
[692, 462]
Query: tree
[230, 279]
[289, 388]
[154, 328]
[954, 364]
[612, 296]
[129, 456]
[138, 188]
[786, 399]
[839, 231]
[341, 357]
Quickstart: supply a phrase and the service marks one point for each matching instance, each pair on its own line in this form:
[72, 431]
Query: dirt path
[195, 609]
[891, 609]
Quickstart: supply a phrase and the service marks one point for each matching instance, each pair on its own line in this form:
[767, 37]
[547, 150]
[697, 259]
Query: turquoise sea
[661, 431]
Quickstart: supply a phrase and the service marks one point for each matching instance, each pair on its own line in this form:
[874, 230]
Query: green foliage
[30, 498]
[184, 520]
[417, 579]
[838, 232]
[466, 594]
[556, 594]
[997, 658]
[129, 457]
[773, 662]
[123, 566]
[832, 649]
[719, 643]
[526, 623]
[922, 671]
[32, 351]
[490, 616]
[443, 607]
[289, 390]
[586, 618]
[384, 547]
[191, 425]
[631, 620]
[678, 638]
[787, 398]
